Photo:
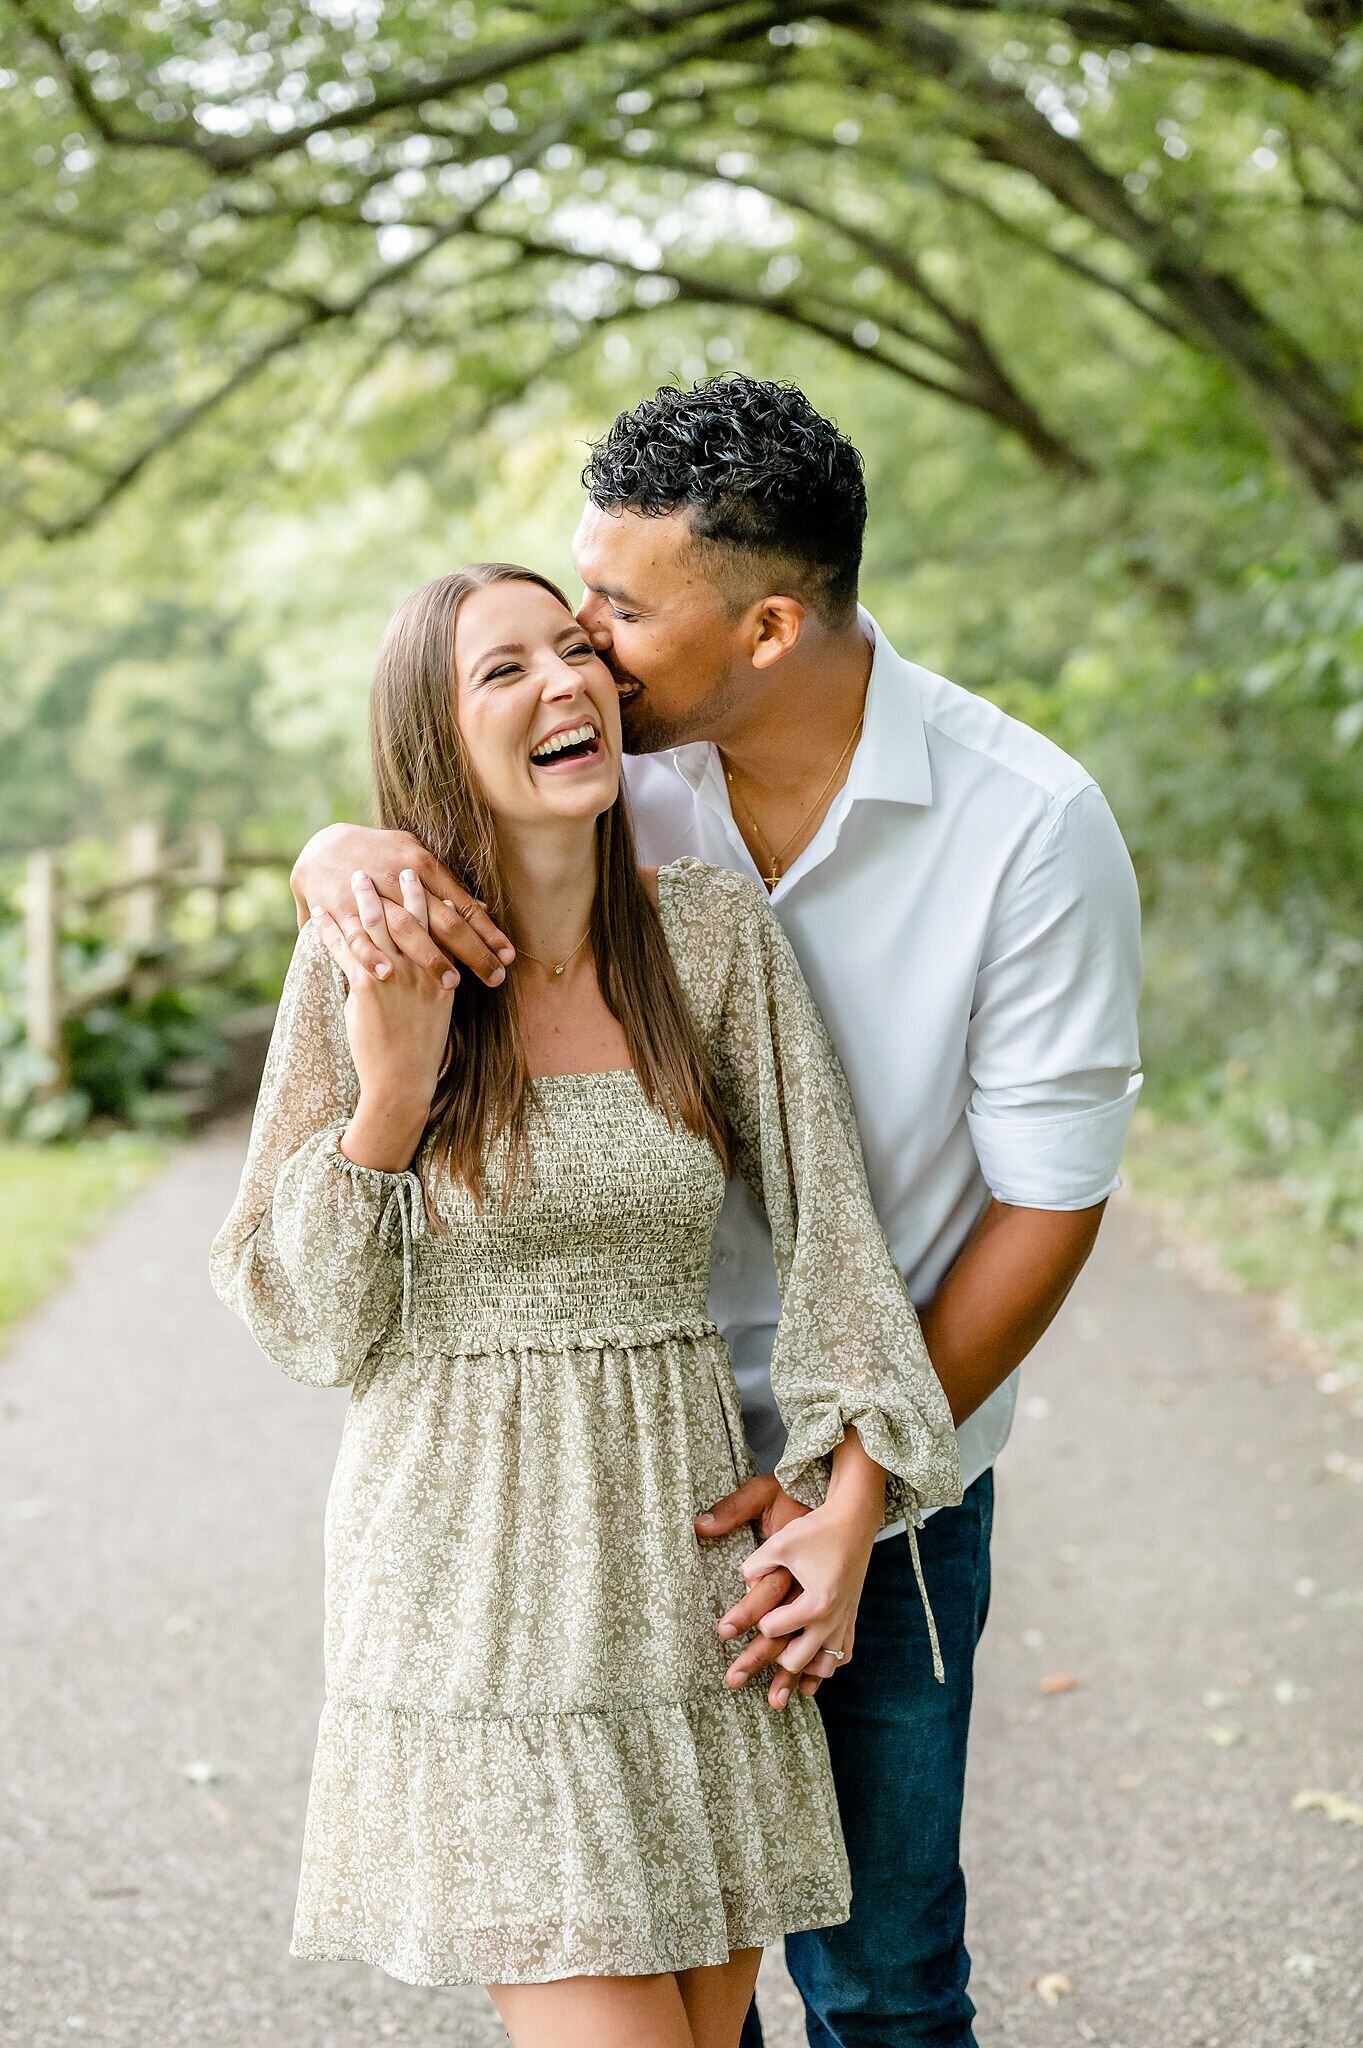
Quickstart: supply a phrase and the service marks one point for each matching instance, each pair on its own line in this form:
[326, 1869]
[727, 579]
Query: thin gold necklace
[556, 965]
[774, 859]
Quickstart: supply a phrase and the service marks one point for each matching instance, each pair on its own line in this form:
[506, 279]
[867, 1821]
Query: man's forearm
[1001, 1294]
[456, 930]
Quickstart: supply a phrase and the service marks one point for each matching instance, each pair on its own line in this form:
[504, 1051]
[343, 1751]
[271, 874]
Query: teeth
[560, 740]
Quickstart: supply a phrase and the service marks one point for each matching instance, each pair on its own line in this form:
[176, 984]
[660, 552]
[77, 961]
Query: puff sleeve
[317, 1253]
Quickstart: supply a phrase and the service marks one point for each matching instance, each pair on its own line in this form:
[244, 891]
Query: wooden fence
[155, 874]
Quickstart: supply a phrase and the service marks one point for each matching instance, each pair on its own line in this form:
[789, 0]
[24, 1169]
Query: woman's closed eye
[580, 650]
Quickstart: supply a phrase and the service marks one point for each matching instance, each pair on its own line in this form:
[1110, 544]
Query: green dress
[528, 1765]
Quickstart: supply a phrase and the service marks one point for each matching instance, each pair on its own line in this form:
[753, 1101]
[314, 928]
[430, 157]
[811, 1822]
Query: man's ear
[777, 629]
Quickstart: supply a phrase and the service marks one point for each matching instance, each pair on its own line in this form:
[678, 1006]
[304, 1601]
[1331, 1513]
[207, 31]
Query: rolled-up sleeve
[1053, 1047]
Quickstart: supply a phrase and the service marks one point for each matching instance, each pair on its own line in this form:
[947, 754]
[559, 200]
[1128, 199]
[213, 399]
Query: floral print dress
[528, 1764]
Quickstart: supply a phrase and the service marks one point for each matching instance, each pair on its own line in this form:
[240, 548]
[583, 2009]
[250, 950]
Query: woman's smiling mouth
[568, 746]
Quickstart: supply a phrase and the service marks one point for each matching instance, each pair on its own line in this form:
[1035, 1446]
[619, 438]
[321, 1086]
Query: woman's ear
[779, 624]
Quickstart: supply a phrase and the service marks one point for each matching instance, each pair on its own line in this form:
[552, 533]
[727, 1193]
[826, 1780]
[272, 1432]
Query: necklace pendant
[559, 966]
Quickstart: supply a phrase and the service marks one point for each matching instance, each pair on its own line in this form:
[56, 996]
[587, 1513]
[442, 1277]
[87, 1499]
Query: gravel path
[1175, 1653]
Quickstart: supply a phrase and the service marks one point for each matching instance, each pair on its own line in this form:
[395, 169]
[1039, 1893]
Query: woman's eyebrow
[512, 647]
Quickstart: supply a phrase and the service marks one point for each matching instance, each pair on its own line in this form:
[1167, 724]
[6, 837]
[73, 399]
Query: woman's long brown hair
[424, 784]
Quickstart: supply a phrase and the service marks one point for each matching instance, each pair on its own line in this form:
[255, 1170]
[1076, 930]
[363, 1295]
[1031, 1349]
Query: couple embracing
[658, 1543]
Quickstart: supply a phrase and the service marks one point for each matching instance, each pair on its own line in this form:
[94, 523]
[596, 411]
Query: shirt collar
[891, 762]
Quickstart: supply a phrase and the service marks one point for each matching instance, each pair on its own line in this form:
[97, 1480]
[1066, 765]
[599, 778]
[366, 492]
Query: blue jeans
[895, 1975]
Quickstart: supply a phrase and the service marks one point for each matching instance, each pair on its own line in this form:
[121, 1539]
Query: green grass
[1258, 1225]
[51, 1197]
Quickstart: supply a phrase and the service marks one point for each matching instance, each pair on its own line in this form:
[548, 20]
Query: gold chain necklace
[774, 859]
[556, 965]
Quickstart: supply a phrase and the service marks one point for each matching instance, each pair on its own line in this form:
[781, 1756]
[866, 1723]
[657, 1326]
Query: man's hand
[459, 930]
[763, 1502]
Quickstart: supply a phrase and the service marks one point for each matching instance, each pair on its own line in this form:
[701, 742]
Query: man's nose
[590, 619]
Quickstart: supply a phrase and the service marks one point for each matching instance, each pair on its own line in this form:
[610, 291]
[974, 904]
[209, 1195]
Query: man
[964, 910]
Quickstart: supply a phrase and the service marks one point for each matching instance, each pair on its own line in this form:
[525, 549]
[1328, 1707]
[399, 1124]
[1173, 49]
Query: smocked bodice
[606, 1240]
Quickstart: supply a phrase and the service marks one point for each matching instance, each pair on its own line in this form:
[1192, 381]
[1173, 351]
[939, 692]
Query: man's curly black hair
[762, 475]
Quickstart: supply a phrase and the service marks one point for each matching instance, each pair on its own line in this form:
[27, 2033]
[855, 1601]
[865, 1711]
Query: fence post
[142, 905]
[213, 869]
[42, 940]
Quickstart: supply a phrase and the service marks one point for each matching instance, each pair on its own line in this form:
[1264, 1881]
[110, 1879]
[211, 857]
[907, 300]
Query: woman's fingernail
[407, 875]
[317, 911]
[383, 970]
[449, 979]
[448, 902]
[507, 953]
[497, 977]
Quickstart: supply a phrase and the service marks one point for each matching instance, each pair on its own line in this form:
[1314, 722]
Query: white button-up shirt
[967, 920]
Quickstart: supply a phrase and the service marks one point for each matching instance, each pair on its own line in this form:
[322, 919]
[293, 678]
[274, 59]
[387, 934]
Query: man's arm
[993, 1305]
[460, 931]
[1052, 1053]
[1001, 1295]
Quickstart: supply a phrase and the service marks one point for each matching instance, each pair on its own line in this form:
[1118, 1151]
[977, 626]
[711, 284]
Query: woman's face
[536, 706]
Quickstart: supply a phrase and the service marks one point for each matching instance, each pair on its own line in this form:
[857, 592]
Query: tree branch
[499, 61]
[815, 316]
[1168, 27]
[1077, 266]
[283, 342]
[969, 350]
[872, 153]
[1292, 396]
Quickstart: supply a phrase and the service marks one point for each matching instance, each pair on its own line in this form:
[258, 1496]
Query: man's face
[668, 636]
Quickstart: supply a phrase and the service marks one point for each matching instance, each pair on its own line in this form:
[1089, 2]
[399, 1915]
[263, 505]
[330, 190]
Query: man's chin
[641, 732]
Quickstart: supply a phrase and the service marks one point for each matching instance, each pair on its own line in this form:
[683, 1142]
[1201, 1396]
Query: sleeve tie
[407, 1204]
[913, 1521]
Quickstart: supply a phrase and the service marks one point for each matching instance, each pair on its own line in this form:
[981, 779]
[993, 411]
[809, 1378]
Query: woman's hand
[383, 921]
[826, 1552]
[398, 1027]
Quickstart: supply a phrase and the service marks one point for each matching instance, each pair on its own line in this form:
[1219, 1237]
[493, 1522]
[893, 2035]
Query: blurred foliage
[127, 1054]
[310, 303]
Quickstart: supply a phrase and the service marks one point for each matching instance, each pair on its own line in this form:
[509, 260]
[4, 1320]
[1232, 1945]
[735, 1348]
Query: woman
[490, 1213]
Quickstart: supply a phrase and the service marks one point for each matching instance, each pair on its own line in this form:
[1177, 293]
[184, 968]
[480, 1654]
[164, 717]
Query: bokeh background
[304, 304]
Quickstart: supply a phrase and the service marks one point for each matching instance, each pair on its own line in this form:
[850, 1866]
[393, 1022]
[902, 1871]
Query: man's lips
[626, 685]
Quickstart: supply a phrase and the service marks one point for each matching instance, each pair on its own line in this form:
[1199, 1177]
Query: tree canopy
[277, 217]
